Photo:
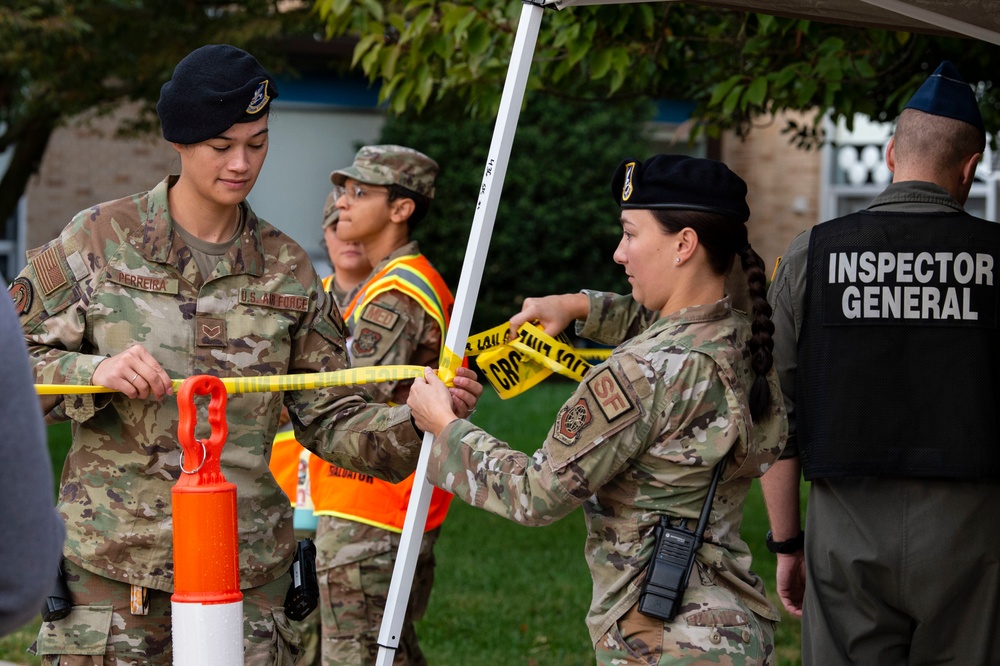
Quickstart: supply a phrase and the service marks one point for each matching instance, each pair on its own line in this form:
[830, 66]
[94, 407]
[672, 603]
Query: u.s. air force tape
[302, 382]
[513, 367]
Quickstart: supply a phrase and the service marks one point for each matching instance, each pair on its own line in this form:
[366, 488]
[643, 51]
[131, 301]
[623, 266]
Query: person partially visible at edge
[397, 316]
[290, 460]
[643, 434]
[32, 530]
[887, 349]
[179, 281]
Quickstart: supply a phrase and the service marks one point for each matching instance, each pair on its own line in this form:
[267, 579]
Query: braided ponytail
[761, 344]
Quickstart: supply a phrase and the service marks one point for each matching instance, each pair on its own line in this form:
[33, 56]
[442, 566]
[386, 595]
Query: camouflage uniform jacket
[394, 329]
[118, 275]
[639, 437]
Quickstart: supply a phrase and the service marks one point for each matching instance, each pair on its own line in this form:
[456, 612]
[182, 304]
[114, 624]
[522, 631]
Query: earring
[677, 259]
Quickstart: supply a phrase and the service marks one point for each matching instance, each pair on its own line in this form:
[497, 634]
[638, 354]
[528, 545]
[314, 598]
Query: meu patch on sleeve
[611, 398]
[380, 316]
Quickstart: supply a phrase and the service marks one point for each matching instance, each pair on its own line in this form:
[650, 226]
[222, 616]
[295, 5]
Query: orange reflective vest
[290, 467]
[361, 497]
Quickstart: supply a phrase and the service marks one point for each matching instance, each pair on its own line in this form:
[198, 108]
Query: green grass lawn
[503, 593]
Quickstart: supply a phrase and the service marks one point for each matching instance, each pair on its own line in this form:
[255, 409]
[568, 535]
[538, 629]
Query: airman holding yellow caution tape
[691, 391]
[185, 279]
[399, 314]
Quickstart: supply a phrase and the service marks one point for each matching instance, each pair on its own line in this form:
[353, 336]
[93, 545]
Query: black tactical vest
[898, 359]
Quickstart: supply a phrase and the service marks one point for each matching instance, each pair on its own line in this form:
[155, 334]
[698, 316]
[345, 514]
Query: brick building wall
[86, 164]
[783, 185]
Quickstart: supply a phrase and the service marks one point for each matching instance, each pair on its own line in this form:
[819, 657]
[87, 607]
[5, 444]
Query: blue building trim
[328, 90]
[673, 110]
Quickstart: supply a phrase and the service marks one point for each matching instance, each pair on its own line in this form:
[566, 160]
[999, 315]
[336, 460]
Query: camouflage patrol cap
[391, 165]
[213, 88]
[330, 211]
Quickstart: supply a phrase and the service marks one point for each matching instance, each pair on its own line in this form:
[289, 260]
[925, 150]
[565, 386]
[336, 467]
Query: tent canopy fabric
[979, 19]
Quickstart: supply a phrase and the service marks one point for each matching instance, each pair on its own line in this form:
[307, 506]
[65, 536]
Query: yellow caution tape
[495, 337]
[513, 367]
[509, 371]
[510, 368]
[301, 382]
[448, 365]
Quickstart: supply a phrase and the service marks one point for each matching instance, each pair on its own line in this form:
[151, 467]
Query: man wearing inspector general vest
[886, 346]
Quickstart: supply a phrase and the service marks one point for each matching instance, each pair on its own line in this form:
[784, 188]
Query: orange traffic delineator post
[207, 605]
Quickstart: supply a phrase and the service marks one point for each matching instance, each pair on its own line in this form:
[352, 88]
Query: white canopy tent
[978, 19]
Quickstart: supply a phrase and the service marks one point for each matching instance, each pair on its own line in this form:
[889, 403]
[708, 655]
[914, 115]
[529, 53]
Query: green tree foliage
[557, 225]
[60, 58]
[736, 66]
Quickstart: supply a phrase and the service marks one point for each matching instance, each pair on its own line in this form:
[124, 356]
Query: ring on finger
[132, 381]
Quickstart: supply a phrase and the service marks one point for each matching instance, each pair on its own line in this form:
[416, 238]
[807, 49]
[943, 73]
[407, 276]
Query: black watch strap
[786, 547]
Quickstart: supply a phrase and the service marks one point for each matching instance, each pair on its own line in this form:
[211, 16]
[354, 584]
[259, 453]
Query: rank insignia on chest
[211, 331]
[571, 422]
[365, 342]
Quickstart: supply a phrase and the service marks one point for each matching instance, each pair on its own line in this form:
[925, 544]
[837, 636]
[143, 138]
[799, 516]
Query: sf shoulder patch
[571, 421]
[611, 398]
[22, 293]
[365, 342]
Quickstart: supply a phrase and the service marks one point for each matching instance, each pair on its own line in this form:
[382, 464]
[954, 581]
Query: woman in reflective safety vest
[360, 497]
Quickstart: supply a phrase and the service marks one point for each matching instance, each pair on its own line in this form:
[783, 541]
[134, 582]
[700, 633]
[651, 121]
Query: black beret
[945, 93]
[680, 182]
[213, 88]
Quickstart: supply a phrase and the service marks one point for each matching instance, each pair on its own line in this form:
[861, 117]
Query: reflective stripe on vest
[414, 276]
[361, 497]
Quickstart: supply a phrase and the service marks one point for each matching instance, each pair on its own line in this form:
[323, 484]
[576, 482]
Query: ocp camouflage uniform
[119, 274]
[640, 437]
[354, 559]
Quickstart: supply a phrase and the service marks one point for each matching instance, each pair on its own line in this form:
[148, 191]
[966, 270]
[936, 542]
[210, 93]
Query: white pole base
[207, 634]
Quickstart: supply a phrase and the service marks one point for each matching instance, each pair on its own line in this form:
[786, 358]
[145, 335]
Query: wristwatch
[786, 547]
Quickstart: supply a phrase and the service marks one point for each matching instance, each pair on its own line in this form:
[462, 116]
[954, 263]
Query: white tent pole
[937, 19]
[461, 321]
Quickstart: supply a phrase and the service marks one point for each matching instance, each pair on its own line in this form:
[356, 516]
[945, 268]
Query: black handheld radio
[303, 595]
[673, 558]
[60, 602]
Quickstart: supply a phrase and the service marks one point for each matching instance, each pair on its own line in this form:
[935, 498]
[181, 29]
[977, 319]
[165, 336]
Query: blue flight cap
[945, 93]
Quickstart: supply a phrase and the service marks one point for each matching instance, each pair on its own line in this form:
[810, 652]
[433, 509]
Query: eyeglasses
[356, 193]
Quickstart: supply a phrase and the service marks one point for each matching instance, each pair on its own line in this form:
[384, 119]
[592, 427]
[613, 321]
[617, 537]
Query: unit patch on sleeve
[22, 293]
[609, 394]
[571, 421]
[365, 342]
[380, 316]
